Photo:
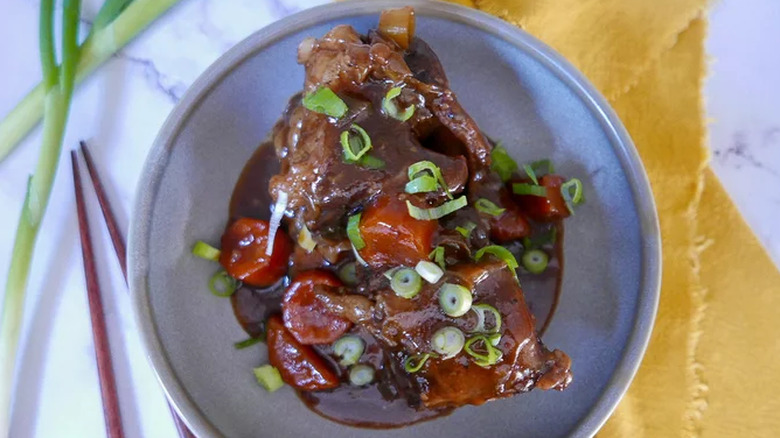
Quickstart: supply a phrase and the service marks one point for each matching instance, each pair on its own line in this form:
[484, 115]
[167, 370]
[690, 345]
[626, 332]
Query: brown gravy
[380, 405]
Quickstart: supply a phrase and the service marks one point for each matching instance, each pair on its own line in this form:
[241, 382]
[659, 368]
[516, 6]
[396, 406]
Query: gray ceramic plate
[518, 90]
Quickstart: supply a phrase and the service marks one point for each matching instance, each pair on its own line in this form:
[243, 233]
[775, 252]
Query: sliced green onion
[422, 184]
[502, 163]
[535, 261]
[540, 239]
[454, 299]
[486, 206]
[268, 377]
[305, 240]
[531, 173]
[491, 356]
[247, 343]
[448, 342]
[414, 363]
[361, 374]
[348, 273]
[406, 283]
[494, 339]
[357, 255]
[353, 232]
[349, 349]
[391, 109]
[430, 214]
[223, 285]
[417, 168]
[500, 252]
[429, 271]
[371, 162]
[276, 219]
[389, 273]
[325, 101]
[528, 189]
[205, 251]
[355, 145]
[437, 255]
[542, 166]
[481, 310]
[466, 231]
[571, 191]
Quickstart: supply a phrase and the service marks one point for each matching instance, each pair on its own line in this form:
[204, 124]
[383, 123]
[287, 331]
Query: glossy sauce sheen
[379, 405]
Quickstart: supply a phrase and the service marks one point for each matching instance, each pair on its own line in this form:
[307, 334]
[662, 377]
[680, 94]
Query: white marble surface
[120, 110]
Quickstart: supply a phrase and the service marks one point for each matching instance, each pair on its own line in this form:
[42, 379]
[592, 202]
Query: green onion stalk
[117, 22]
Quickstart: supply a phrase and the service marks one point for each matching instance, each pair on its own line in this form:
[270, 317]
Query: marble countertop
[120, 109]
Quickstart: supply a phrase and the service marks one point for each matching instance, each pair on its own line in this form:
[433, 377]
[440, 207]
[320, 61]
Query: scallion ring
[500, 252]
[246, 343]
[422, 184]
[268, 377]
[414, 363]
[430, 214]
[205, 251]
[353, 232]
[502, 163]
[482, 310]
[494, 339]
[361, 374]
[223, 285]
[348, 273]
[406, 283]
[437, 255]
[325, 101]
[349, 349]
[355, 144]
[419, 167]
[429, 271]
[529, 189]
[466, 231]
[488, 207]
[371, 162]
[448, 342]
[531, 173]
[571, 191]
[389, 273]
[491, 356]
[391, 108]
[535, 261]
[454, 299]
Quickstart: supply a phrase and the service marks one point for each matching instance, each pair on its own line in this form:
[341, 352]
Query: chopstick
[118, 242]
[99, 333]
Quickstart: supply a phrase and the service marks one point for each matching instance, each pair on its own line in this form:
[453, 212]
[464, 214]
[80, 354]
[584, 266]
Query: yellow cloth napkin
[713, 365]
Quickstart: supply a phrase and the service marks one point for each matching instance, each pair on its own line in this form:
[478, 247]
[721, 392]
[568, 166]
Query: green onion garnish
[430, 214]
[536, 169]
[486, 206]
[491, 356]
[419, 167]
[325, 101]
[540, 239]
[248, 343]
[502, 163]
[406, 283]
[531, 173]
[422, 184]
[348, 349]
[355, 144]
[500, 252]
[528, 189]
[494, 339]
[481, 310]
[353, 232]
[535, 261]
[268, 377]
[361, 374]
[305, 240]
[466, 231]
[448, 342]
[454, 299]
[389, 273]
[223, 285]
[571, 191]
[348, 273]
[437, 255]
[205, 251]
[429, 271]
[391, 109]
[414, 363]
[371, 162]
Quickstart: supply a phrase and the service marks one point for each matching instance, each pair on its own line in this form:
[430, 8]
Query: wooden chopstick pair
[108, 390]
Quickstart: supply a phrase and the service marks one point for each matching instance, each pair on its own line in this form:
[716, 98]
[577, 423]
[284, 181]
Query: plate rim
[627, 154]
